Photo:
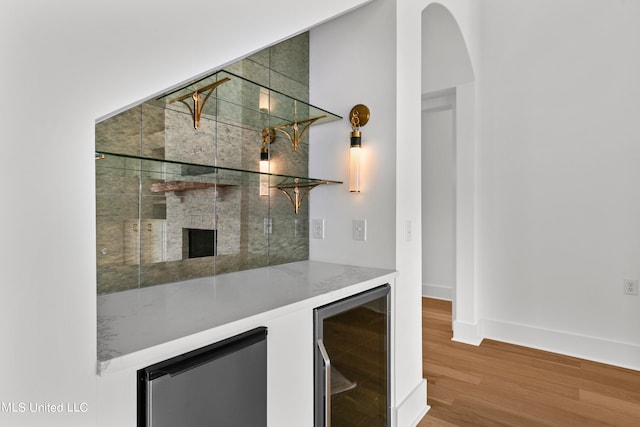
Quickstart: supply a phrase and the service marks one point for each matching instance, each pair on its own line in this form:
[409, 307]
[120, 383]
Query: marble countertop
[141, 325]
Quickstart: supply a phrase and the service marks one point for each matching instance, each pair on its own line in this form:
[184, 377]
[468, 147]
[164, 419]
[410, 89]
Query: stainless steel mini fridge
[223, 384]
[351, 359]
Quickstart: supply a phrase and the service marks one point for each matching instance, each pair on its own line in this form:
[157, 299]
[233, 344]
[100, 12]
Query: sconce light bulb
[355, 154]
[264, 170]
[263, 100]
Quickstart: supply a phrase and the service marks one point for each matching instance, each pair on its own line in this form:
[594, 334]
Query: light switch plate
[317, 228]
[268, 225]
[359, 229]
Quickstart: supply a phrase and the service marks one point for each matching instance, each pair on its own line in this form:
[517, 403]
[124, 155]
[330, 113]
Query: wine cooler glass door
[352, 361]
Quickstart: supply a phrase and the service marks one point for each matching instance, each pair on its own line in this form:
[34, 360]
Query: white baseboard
[467, 333]
[444, 292]
[413, 408]
[621, 354]
[615, 353]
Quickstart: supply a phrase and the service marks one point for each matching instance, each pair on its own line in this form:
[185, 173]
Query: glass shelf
[192, 176]
[167, 176]
[232, 99]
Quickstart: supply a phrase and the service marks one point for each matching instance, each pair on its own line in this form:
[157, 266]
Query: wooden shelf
[164, 187]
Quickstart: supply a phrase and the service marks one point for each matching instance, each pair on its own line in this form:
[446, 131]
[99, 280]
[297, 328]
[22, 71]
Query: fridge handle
[327, 383]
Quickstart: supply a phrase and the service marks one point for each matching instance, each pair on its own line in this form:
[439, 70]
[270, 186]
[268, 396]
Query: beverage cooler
[351, 358]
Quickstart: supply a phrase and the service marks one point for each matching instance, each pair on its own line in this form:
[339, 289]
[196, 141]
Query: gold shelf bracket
[293, 132]
[198, 102]
[294, 194]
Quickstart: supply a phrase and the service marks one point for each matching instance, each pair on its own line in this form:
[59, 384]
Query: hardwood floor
[498, 384]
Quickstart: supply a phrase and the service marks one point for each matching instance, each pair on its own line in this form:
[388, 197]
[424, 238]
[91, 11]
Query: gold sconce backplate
[268, 135]
[359, 115]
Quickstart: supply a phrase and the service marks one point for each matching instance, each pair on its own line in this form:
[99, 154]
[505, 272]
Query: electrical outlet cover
[631, 286]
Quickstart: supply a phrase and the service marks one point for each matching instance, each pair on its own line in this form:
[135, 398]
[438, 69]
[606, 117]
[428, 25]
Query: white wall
[558, 176]
[346, 69]
[438, 201]
[64, 65]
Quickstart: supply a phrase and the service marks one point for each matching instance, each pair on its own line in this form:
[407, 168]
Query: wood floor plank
[498, 384]
[439, 370]
[613, 404]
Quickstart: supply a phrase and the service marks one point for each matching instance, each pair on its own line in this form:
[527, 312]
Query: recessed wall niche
[168, 177]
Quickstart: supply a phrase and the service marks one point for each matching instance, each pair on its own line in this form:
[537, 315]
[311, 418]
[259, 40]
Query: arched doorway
[448, 168]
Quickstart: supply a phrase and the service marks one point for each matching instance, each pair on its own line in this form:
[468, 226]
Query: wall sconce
[358, 117]
[263, 100]
[268, 135]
